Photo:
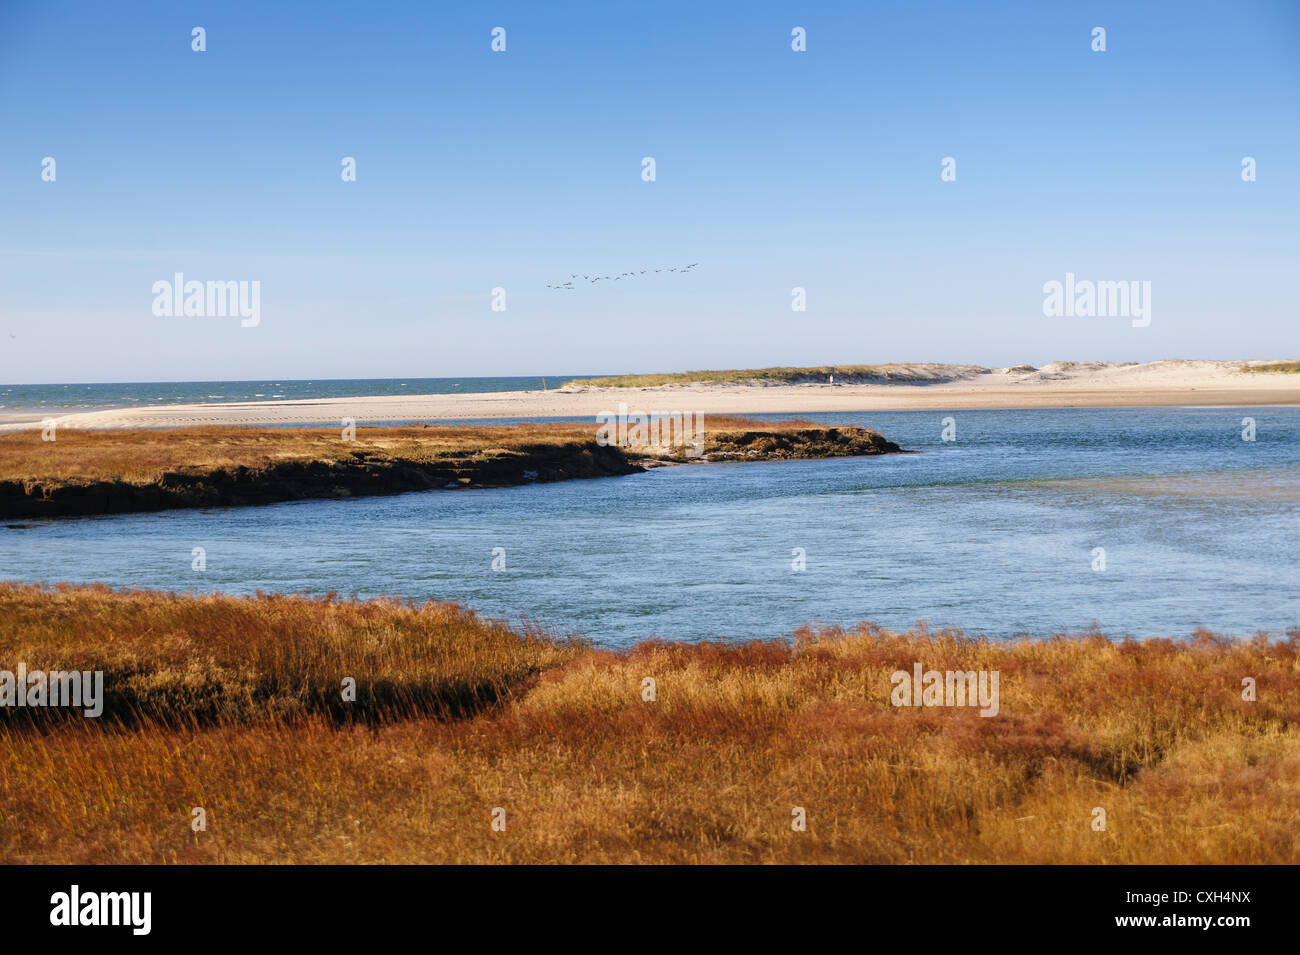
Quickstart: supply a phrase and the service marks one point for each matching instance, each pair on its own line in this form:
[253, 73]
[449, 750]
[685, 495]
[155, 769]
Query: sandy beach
[1058, 385]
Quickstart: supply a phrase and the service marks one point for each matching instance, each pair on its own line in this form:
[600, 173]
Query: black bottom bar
[336, 905]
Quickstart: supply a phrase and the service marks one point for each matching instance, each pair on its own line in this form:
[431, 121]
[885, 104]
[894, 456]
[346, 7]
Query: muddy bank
[365, 473]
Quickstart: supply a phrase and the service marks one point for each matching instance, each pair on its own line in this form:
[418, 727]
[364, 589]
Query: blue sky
[775, 169]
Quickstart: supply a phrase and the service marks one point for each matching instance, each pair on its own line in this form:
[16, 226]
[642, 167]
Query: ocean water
[996, 533]
[91, 396]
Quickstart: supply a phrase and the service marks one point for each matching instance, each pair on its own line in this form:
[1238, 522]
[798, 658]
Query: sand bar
[1068, 385]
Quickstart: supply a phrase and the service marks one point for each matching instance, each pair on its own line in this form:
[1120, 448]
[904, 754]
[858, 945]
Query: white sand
[1085, 384]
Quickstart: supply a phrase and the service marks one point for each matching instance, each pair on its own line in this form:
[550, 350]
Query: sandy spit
[1059, 385]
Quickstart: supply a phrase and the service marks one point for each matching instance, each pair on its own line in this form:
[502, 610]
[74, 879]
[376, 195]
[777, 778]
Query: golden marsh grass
[1154, 732]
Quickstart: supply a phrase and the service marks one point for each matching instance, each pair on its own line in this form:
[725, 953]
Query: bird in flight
[593, 279]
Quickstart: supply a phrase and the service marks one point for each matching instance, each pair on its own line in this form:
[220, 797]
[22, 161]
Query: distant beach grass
[1273, 368]
[235, 705]
[773, 376]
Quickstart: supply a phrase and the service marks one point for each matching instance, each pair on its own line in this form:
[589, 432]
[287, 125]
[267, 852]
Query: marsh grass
[1155, 732]
[149, 456]
[192, 660]
[146, 456]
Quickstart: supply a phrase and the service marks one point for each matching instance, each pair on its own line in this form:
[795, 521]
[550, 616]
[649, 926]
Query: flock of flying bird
[593, 279]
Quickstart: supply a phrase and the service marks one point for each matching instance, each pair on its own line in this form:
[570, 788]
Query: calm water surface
[994, 533]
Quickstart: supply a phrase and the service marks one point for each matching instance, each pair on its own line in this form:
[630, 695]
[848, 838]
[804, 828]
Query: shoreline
[1066, 385]
[527, 406]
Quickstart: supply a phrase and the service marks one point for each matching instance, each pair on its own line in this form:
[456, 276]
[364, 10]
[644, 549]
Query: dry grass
[1154, 732]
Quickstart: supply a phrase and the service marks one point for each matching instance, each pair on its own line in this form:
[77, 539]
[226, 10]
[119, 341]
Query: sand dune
[939, 387]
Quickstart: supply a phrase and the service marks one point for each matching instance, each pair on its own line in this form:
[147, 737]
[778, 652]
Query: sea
[66, 398]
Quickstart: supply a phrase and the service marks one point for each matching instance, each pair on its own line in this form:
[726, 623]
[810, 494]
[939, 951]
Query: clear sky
[775, 169]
